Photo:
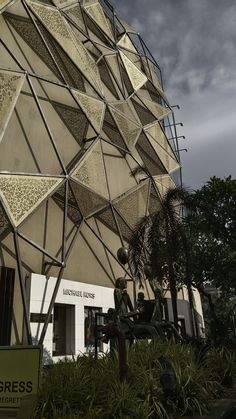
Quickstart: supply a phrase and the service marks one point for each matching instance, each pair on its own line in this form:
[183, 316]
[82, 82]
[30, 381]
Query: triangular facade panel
[133, 206]
[137, 78]
[93, 108]
[91, 171]
[129, 130]
[96, 12]
[21, 195]
[89, 202]
[10, 87]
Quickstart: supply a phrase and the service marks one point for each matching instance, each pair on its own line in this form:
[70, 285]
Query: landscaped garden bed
[164, 380]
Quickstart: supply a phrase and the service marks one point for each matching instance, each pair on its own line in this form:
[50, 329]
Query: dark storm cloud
[194, 42]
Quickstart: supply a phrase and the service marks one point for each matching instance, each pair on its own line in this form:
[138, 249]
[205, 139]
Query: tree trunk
[173, 292]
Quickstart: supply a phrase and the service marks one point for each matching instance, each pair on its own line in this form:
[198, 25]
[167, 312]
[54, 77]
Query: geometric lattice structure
[87, 139]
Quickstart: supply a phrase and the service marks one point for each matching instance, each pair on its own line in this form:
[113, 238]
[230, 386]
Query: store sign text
[82, 294]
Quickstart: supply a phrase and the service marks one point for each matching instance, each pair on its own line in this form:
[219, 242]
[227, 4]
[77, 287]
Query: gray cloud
[194, 44]
[193, 41]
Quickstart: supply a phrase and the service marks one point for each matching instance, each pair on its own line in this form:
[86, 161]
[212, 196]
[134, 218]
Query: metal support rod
[50, 308]
[46, 124]
[64, 227]
[36, 246]
[171, 125]
[22, 288]
[109, 250]
[179, 136]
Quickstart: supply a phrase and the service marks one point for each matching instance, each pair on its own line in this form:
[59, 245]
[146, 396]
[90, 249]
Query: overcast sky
[194, 42]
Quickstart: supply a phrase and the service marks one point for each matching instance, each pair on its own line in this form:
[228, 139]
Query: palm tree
[159, 240]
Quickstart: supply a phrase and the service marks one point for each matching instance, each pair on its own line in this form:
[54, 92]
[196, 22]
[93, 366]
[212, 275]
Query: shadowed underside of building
[86, 148]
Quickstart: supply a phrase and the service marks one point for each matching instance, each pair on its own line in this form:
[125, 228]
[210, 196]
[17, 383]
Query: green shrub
[90, 389]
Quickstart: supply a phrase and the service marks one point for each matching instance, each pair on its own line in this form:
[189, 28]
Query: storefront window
[89, 326]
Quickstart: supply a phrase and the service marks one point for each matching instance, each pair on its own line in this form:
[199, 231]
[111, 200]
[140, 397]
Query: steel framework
[84, 128]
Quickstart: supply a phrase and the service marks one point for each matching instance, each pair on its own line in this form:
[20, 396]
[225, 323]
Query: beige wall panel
[15, 154]
[127, 108]
[54, 228]
[35, 64]
[113, 242]
[33, 228]
[65, 142]
[57, 93]
[157, 110]
[164, 182]
[11, 42]
[83, 266]
[39, 139]
[114, 67]
[6, 60]
[17, 8]
[115, 163]
[4, 3]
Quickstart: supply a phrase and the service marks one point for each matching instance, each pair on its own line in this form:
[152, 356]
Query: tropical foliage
[159, 240]
[211, 231]
[90, 389]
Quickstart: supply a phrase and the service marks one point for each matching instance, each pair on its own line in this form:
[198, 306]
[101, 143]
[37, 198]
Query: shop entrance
[63, 329]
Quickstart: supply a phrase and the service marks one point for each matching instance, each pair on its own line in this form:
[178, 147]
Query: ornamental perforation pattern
[93, 108]
[136, 77]
[60, 29]
[91, 171]
[22, 194]
[110, 102]
[96, 12]
[10, 86]
[4, 223]
[128, 129]
[133, 206]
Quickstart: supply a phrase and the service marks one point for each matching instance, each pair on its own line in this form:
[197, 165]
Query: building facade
[87, 148]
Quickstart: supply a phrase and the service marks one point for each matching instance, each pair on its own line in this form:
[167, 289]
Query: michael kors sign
[82, 294]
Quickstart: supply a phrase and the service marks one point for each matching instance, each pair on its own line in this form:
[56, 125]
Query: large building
[87, 147]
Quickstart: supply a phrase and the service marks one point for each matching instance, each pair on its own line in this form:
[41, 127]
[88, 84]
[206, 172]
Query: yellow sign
[19, 374]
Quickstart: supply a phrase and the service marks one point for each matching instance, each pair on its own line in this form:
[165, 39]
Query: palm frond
[138, 248]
